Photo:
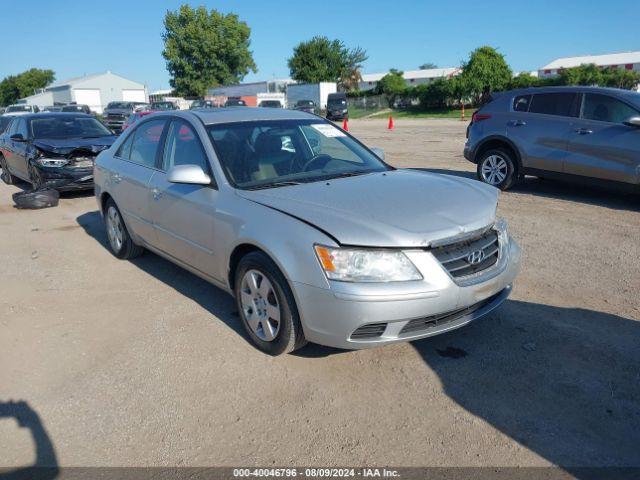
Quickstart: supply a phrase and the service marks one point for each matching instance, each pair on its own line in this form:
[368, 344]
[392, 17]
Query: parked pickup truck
[117, 113]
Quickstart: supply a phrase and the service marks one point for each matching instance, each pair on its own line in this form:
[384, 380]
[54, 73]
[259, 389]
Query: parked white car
[21, 109]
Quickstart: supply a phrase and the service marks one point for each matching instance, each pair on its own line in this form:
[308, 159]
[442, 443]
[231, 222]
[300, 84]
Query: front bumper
[65, 178]
[406, 312]
[337, 115]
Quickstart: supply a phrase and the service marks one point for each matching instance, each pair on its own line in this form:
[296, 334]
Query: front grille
[370, 330]
[470, 256]
[437, 321]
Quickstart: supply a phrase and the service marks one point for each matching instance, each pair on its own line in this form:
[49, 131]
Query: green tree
[588, 74]
[14, 87]
[205, 49]
[428, 66]
[484, 72]
[619, 78]
[524, 80]
[392, 85]
[435, 94]
[324, 60]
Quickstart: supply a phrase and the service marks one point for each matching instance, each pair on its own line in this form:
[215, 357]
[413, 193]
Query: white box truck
[316, 92]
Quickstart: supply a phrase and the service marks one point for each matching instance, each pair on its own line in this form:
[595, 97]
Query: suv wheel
[497, 167]
[120, 241]
[266, 305]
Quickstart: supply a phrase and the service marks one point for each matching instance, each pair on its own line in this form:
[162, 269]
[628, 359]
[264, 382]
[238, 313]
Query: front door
[184, 215]
[601, 145]
[542, 130]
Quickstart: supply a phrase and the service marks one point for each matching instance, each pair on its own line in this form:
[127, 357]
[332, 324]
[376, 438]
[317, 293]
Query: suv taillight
[477, 117]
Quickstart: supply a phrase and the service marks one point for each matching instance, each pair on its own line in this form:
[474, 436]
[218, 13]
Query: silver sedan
[316, 237]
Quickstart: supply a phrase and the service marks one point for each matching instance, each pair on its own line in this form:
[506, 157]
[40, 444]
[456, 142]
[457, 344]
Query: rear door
[540, 126]
[600, 144]
[184, 215]
[137, 157]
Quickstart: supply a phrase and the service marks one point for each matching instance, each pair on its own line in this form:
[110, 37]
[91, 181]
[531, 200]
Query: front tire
[6, 176]
[497, 167]
[266, 305]
[120, 241]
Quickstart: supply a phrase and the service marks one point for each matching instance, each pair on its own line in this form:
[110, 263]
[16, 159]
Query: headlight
[52, 162]
[359, 265]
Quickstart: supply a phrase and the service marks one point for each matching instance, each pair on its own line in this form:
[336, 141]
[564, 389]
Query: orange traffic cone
[345, 125]
[390, 122]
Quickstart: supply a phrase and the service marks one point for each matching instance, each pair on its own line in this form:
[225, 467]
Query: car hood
[119, 111]
[64, 146]
[399, 208]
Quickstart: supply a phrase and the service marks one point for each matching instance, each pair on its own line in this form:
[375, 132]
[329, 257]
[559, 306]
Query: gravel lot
[141, 363]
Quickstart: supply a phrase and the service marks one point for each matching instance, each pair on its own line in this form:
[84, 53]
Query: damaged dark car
[53, 150]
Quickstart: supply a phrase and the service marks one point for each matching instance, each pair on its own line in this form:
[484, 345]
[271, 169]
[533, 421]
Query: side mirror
[191, 174]
[17, 137]
[633, 122]
[379, 152]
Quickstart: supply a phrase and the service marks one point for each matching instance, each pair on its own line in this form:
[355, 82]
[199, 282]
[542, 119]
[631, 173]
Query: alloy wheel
[115, 231]
[494, 170]
[260, 305]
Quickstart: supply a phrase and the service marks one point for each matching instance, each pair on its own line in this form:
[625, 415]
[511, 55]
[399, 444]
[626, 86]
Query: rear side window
[521, 103]
[146, 140]
[561, 104]
[606, 109]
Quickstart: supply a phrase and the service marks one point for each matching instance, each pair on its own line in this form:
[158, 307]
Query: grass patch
[411, 113]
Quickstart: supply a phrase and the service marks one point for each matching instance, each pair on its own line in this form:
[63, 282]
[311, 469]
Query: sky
[74, 37]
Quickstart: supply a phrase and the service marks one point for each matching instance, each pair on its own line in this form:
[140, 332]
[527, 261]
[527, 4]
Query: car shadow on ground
[562, 382]
[214, 300]
[45, 465]
[575, 192]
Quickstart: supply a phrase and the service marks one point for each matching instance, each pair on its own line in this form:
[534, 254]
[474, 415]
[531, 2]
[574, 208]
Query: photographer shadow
[45, 466]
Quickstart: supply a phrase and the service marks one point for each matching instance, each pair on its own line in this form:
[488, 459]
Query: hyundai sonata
[317, 238]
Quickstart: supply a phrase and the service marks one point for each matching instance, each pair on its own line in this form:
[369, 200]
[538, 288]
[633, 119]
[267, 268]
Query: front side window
[68, 127]
[560, 104]
[265, 153]
[604, 108]
[182, 147]
[146, 140]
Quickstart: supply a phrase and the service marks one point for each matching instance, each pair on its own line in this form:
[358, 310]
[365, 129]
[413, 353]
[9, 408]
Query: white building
[627, 60]
[411, 77]
[96, 91]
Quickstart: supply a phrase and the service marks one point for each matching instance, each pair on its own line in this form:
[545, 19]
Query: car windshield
[305, 103]
[19, 108]
[72, 108]
[337, 102]
[68, 127]
[273, 153]
[124, 105]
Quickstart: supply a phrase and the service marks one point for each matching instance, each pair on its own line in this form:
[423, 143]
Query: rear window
[19, 108]
[560, 104]
[521, 103]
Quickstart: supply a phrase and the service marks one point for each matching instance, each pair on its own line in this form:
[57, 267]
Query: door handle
[517, 123]
[156, 193]
[583, 131]
[116, 178]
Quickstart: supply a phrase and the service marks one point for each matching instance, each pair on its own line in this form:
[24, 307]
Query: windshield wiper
[347, 174]
[274, 185]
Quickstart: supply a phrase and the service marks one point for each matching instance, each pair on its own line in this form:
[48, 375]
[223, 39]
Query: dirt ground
[141, 363]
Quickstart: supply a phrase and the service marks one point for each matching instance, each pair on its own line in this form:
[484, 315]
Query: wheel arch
[498, 141]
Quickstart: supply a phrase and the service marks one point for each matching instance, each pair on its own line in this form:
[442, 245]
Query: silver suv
[579, 133]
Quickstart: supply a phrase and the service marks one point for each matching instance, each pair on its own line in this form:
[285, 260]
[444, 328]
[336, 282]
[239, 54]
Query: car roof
[574, 88]
[244, 114]
[56, 115]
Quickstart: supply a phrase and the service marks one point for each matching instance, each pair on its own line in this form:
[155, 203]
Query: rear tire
[266, 305]
[120, 241]
[6, 176]
[498, 168]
